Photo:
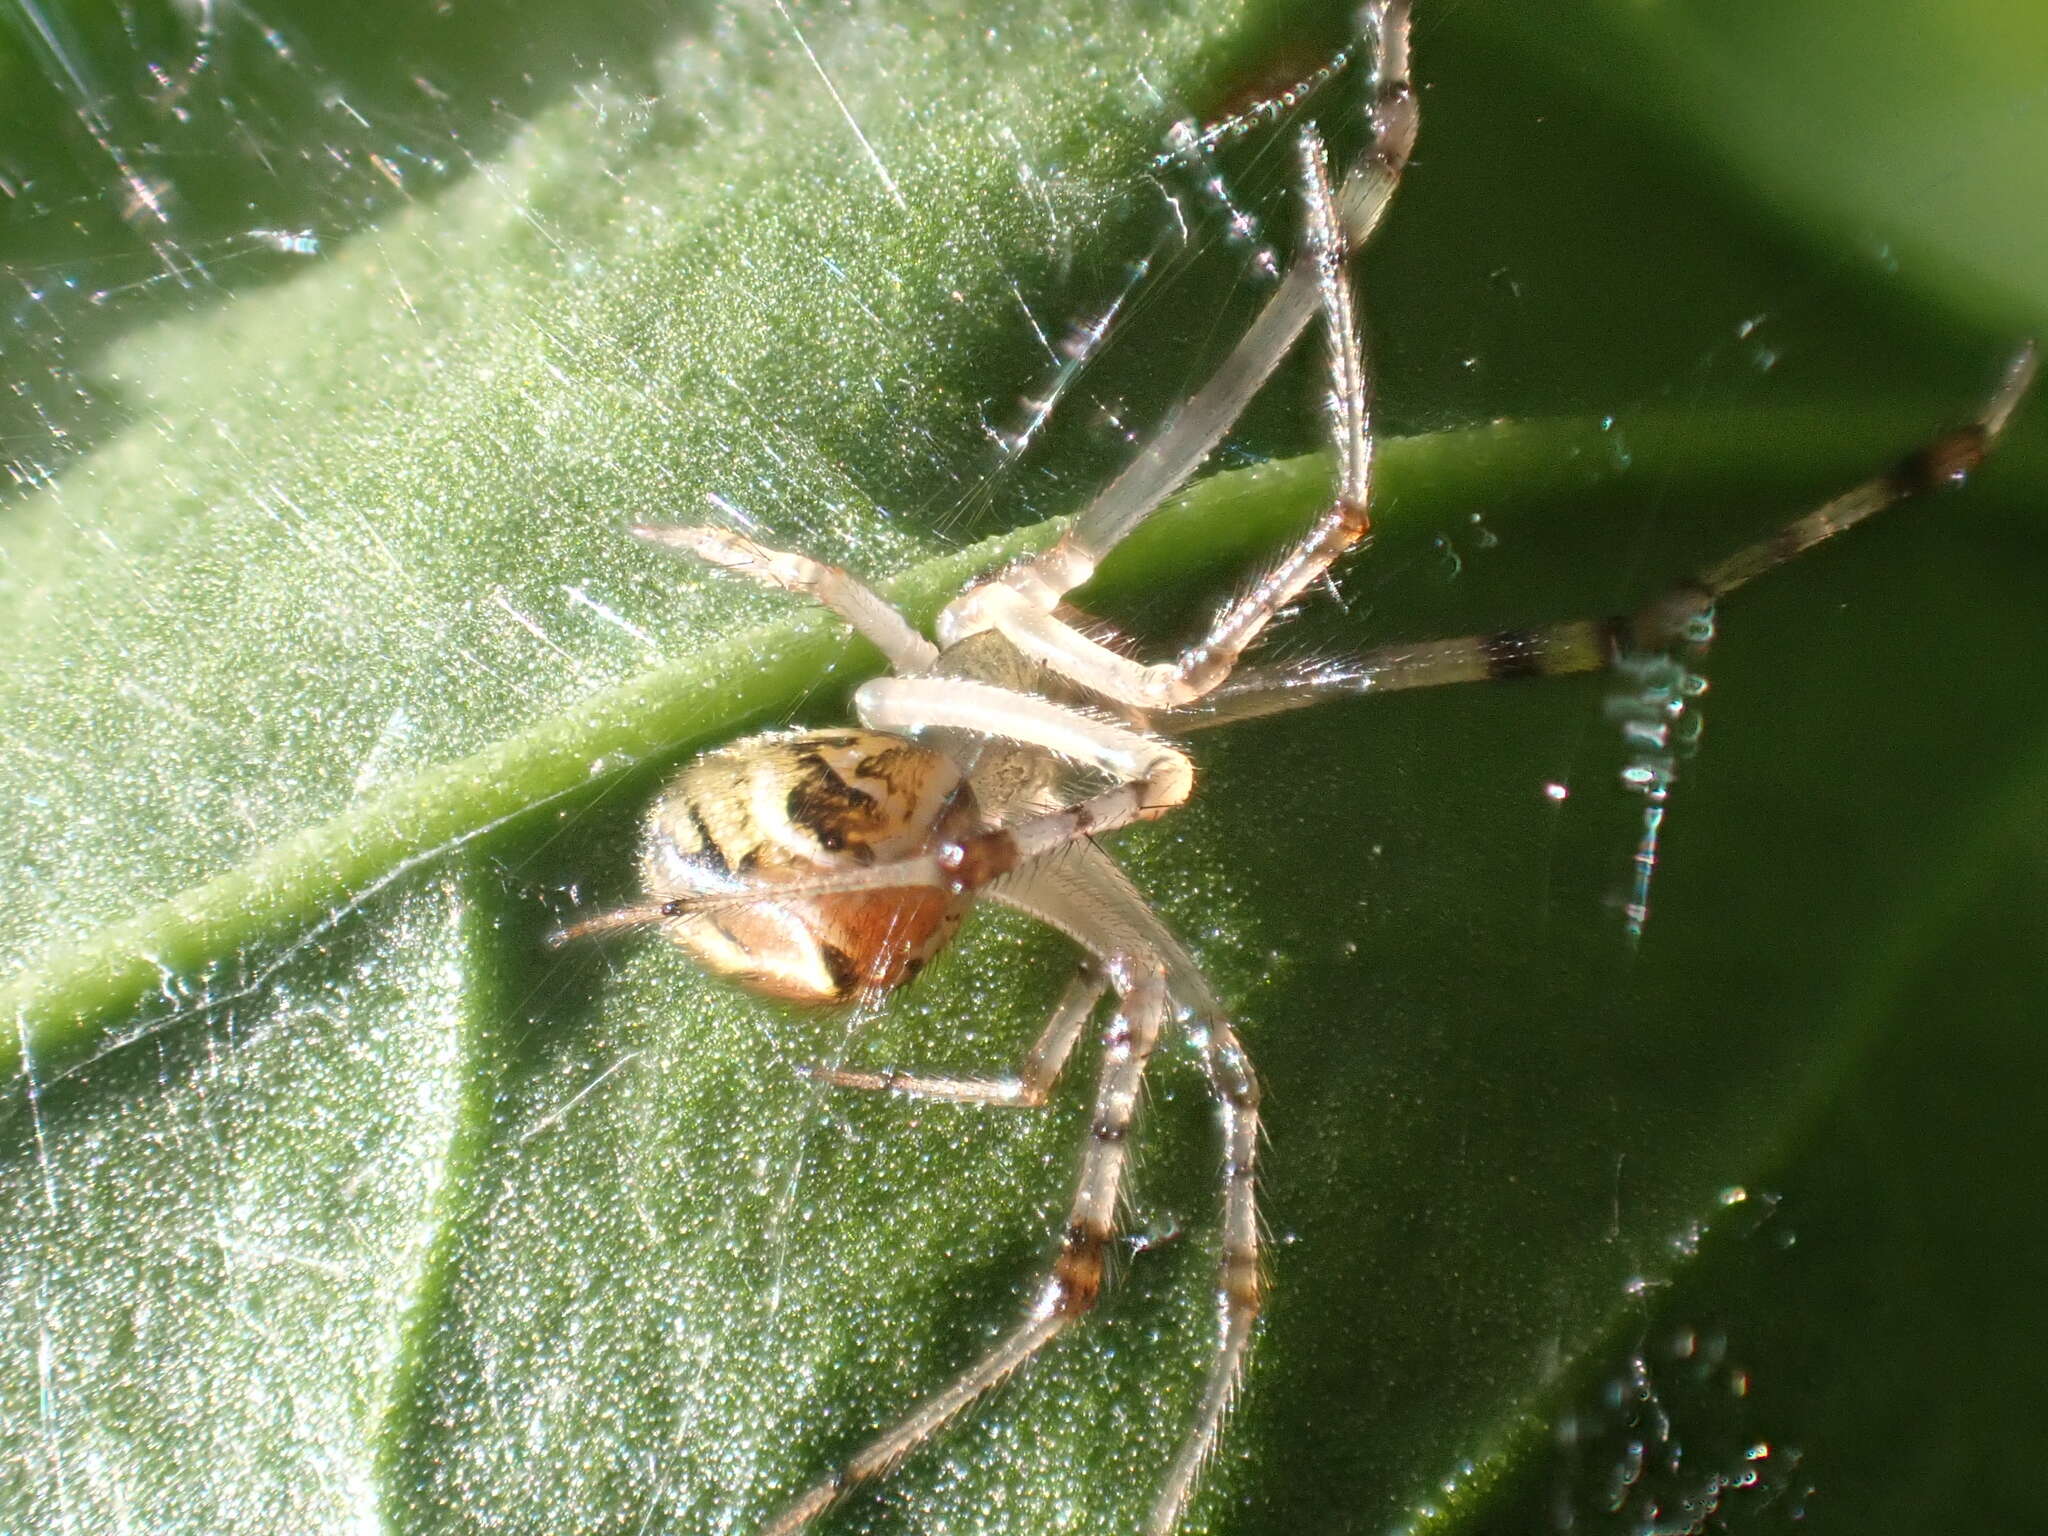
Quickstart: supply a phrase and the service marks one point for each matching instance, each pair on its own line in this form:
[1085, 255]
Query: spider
[825, 867]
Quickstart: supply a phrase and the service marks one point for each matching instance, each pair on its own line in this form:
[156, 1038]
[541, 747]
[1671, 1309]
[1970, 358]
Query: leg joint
[1076, 1280]
[1944, 463]
[1241, 1284]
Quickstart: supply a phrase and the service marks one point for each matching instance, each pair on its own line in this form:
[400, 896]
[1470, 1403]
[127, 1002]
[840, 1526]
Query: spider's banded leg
[1070, 1286]
[1551, 650]
[1172, 685]
[1086, 896]
[1207, 663]
[1036, 1073]
[1239, 1283]
[1370, 182]
[1942, 464]
[1681, 616]
[827, 585]
[1192, 433]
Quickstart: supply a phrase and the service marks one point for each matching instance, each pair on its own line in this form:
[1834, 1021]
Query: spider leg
[1190, 435]
[1942, 464]
[1036, 1074]
[1240, 1283]
[598, 924]
[1048, 639]
[1074, 1280]
[1151, 776]
[1681, 616]
[827, 585]
[1087, 896]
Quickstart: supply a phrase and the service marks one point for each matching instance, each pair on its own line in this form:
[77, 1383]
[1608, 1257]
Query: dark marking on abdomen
[840, 966]
[825, 805]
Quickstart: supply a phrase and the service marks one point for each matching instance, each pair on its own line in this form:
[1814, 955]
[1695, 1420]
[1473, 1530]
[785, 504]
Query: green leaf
[334, 1199]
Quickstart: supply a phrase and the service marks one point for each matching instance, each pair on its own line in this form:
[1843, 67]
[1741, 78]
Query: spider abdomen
[791, 806]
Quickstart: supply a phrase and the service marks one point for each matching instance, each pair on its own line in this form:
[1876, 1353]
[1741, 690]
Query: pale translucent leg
[1942, 464]
[1074, 1280]
[1085, 895]
[1551, 650]
[603, 924]
[1192, 433]
[827, 585]
[1027, 1088]
[1681, 616]
[1239, 1282]
[1031, 625]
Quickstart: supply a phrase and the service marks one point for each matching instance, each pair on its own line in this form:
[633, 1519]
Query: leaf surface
[335, 1199]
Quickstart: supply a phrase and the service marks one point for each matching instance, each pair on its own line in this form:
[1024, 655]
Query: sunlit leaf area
[1635, 1162]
